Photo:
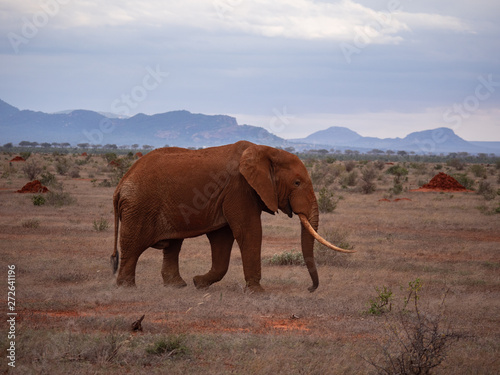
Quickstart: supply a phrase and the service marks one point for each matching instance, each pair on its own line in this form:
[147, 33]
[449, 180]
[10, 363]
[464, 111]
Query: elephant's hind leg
[221, 242]
[126, 272]
[170, 268]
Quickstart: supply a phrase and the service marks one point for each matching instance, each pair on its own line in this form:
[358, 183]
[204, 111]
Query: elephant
[173, 193]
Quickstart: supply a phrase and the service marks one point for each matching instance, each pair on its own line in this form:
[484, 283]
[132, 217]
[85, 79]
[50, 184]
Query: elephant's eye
[297, 183]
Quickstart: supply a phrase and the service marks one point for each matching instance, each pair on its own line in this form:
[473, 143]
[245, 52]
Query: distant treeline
[329, 156]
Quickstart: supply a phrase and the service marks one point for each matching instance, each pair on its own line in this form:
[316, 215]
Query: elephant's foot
[176, 282]
[126, 282]
[201, 282]
[254, 288]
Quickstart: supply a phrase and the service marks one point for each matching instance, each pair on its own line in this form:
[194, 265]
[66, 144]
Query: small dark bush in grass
[74, 172]
[62, 166]
[101, 224]
[326, 201]
[32, 169]
[465, 181]
[287, 258]
[368, 175]
[486, 190]
[48, 179]
[416, 343]
[478, 170]
[38, 200]
[382, 302]
[170, 346]
[25, 154]
[31, 223]
[104, 183]
[59, 198]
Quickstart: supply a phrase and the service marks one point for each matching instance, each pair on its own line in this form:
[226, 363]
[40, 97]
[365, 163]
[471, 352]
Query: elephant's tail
[115, 257]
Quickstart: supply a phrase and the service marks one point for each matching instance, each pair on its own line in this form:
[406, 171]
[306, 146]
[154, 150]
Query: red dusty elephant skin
[172, 193]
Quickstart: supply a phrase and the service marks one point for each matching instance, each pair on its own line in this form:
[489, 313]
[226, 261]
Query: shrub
[38, 200]
[62, 166]
[287, 258]
[32, 169]
[25, 154]
[486, 190]
[338, 237]
[48, 178]
[101, 225]
[31, 223]
[398, 172]
[110, 156]
[349, 165]
[169, 346]
[104, 183]
[416, 342]
[381, 303]
[59, 198]
[465, 181]
[368, 175]
[74, 172]
[456, 163]
[478, 170]
[326, 201]
[350, 179]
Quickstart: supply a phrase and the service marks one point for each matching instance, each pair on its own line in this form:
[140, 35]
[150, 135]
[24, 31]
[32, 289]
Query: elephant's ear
[256, 167]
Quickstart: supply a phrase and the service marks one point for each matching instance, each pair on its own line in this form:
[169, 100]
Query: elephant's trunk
[308, 235]
[307, 242]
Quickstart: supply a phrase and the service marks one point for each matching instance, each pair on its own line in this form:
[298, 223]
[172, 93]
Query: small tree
[31, 169]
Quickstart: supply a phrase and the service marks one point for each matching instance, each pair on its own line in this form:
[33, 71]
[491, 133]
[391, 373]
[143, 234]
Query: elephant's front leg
[221, 243]
[170, 267]
[250, 243]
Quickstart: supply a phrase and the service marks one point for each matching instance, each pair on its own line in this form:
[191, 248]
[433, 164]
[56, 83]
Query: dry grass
[73, 319]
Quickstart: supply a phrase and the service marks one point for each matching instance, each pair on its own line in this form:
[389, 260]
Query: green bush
[48, 179]
[101, 224]
[486, 190]
[59, 198]
[32, 169]
[478, 170]
[382, 303]
[169, 346]
[38, 200]
[465, 181]
[31, 223]
[326, 201]
[287, 258]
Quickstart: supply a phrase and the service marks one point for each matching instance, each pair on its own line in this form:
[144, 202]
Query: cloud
[297, 19]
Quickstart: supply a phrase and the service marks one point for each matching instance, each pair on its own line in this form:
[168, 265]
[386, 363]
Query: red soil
[18, 158]
[442, 182]
[395, 200]
[138, 155]
[33, 187]
[84, 154]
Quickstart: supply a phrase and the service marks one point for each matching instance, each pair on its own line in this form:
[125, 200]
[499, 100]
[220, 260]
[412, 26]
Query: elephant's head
[282, 182]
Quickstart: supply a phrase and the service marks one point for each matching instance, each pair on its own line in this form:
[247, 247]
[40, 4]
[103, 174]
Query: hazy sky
[382, 68]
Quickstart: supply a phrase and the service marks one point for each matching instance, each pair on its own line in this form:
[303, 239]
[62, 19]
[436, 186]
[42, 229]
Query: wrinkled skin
[172, 194]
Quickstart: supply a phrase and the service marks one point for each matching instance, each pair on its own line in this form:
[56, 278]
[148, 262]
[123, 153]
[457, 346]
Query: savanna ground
[73, 319]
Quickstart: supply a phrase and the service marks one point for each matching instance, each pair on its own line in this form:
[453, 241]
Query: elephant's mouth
[287, 209]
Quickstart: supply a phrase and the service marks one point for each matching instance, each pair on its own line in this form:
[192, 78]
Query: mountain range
[186, 129]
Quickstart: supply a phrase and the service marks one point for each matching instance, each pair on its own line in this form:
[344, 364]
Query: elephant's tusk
[321, 240]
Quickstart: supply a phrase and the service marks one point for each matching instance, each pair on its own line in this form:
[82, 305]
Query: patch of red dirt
[33, 187]
[84, 154]
[395, 200]
[138, 155]
[442, 182]
[18, 158]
